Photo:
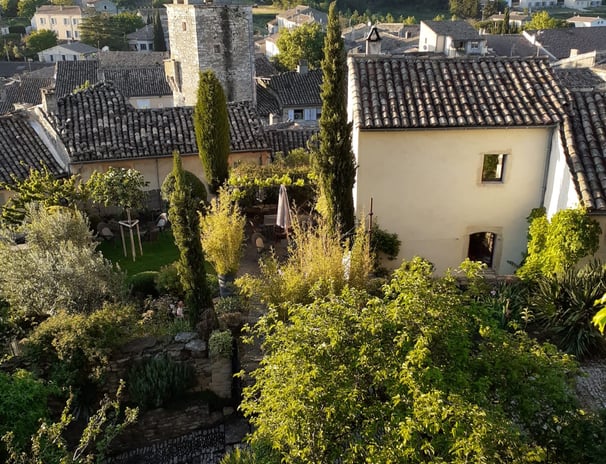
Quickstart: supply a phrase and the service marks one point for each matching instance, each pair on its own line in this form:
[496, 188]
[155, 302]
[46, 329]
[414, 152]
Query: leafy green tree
[556, 245]
[40, 40]
[541, 20]
[424, 373]
[183, 214]
[27, 8]
[334, 160]
[42, 188]
[300, 43]
[211, 124]
[102, 29]
[159, 42]
[409, 20]
[9, 8]
[119, 187]
[64, 272]
[465, 8]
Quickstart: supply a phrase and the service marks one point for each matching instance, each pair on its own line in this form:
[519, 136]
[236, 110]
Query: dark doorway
[481, 247]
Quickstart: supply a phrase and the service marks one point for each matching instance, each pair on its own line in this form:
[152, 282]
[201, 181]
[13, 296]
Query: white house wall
[426, 186]
[560, 193]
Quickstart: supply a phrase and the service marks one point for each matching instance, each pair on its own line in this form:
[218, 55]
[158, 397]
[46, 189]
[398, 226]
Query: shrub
[74, 349]
[23, 401]
[382, 241]
[222, 234]
[563, 307]
[197, 187]
[168, 282]
[220, 344]
[144, 284]
[318, 264]
[230, 304]
[155, 381]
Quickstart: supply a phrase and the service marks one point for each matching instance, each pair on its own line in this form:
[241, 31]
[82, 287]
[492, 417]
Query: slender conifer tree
[211, 124]
[185, 224]
[159, 42]
[334, 160]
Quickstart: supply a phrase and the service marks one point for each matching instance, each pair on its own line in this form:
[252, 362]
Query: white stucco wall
[560, 192]
[426, 186]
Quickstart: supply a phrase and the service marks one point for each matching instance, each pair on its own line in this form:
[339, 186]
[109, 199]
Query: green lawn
[156, 253]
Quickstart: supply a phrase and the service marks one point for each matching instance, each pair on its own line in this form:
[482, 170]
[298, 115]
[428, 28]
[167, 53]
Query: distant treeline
[364, 5]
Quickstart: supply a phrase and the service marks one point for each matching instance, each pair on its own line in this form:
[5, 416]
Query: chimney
[574, 52]
[373, 42]
[302, 67]
[49, 100]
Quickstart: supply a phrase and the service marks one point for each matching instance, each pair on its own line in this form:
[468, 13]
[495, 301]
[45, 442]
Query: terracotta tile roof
[11, 68]
[287, 139]
[302, 14]
[119, 59]
[23, 90]
[584, 135]
[264, 67]
[297, 89]
[267, 103]
[436, 92]
[579, 79]
[23, 150]
[510, 45]
[245, 128]
[138, 82]
[460, 30]
[98, 124]
[145, 33]
[559, 42]
[73, 74]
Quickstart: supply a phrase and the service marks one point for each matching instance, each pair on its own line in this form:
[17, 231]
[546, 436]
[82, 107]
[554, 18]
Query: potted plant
[222, 235]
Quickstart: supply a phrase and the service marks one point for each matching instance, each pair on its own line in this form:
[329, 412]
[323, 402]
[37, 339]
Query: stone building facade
[217, 36]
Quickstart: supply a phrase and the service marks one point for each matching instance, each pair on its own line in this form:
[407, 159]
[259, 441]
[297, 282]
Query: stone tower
[212, 35]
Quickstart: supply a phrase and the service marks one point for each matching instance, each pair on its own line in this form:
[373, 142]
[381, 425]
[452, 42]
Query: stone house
[96, 128]
[102, 6]
[537, 4]
[100, 129]
[142, 40]
[141, 81]
[582, 4]
[454, 153]
[291, 96]
[63, 19]
[450, 38]
[586, 21]
[578, 177]
[297, 16]
[72, 51]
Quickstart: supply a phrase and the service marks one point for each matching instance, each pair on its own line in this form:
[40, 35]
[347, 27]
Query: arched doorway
[481, 247]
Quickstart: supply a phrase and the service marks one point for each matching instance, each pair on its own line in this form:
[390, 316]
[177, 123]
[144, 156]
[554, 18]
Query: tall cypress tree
[159, 42]
[183, 215]
[334, 160]
[211, 124]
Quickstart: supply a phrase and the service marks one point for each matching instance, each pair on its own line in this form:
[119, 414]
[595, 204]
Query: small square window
[492, 167]
[217, 48]
[298, 114]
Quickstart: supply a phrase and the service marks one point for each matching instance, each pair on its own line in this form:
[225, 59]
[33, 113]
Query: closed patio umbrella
[283, 218]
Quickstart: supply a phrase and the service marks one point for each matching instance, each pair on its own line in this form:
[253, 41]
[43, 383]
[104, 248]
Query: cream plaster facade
[426, 186]
[64, 20]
